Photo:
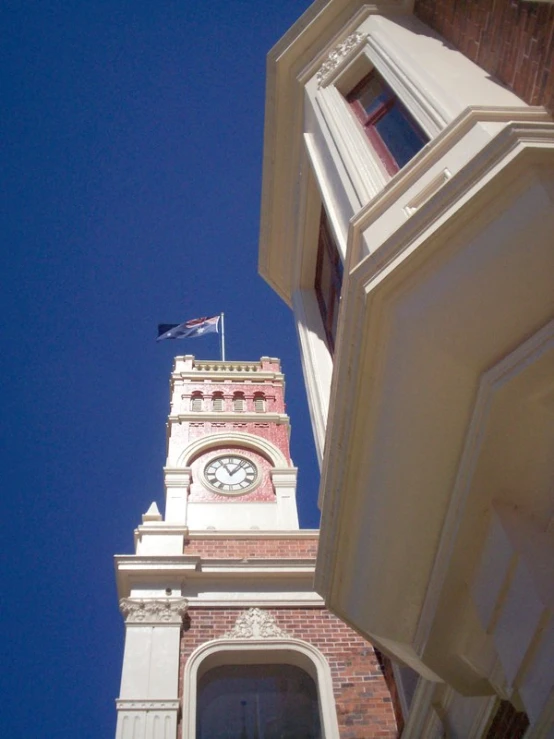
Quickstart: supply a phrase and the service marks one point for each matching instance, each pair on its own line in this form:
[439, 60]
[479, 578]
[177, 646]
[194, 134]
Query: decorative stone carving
[336, 56]
[149, 705]
[153, 610]
[256, 624]
[226, 367]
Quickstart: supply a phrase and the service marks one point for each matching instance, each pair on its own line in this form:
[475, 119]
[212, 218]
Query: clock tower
[224, 634]
[228, 462]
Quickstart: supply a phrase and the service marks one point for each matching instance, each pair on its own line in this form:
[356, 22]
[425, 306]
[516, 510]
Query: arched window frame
[196, 401]
[259, 403]
[239, 402]
[260, 651]
[218, 402]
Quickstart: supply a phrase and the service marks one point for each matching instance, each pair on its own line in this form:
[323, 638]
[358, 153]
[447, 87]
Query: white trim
[365, 169]
[134, 572]
[483, 716]
[419, 710]
[228, 416]
[277, 599]
[231, 438]
[383, 54]
[162, 527]
[287, 651]
[317, 363]
[259, 534]
[152, 704]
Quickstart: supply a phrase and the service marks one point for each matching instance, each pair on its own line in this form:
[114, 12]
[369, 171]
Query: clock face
[231, 474]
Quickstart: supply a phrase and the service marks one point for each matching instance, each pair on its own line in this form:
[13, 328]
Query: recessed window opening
[391, 130]
[257, 701]
[196, 402]
[238, 402]
[328, 280]
[259, 403]
[217, 402]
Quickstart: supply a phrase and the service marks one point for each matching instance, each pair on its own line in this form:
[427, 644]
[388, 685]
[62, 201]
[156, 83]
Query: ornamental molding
[149, 705]
[338, 55]
[256, 624]
[232, 438]
[153, 610]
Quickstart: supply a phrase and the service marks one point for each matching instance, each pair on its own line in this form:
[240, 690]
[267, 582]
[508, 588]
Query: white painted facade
[434, 420]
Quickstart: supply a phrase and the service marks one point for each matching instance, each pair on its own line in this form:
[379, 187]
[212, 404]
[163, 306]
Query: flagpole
[223, 337]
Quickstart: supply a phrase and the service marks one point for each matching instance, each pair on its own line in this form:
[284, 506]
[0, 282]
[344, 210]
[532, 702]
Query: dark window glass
[393, 133]
[508, 723]
[328, 280]
[257, 702]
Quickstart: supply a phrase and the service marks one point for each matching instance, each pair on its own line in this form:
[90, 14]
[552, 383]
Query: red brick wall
[386, 668]
[252, 548]
[363, 702]
[513, 40]
[273, 392]
[277, 434]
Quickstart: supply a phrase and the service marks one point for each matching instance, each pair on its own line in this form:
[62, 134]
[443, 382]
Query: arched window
[238, 401]
[259, 402]
[196, 401]
[217, 402]
[258, 687]
[249, 700]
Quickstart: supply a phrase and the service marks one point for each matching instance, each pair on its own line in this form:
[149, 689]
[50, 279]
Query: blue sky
[131, 155]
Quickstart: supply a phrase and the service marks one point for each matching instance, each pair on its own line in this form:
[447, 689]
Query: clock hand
[239, 466]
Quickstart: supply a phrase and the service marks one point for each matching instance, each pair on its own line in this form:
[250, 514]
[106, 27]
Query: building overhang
[293, 60]
[442, 404]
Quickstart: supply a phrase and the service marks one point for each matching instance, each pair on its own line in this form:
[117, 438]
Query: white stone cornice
[246, 565]
[133, 572]
[229, 416]
[276, 599]
[258, 534]
[284, 478]
[153, 610]
[256, 624]
[178, 476]
[216, 366]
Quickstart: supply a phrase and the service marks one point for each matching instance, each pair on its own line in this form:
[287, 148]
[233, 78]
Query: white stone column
[148, 703]
[177, 487]
[284, 482]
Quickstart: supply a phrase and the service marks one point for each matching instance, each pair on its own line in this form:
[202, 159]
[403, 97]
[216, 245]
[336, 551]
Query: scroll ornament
[335, 57]
[256, 624]
[153, 610]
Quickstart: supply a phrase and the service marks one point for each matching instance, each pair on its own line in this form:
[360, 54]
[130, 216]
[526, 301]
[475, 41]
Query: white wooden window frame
[366, 171]
[260, 651]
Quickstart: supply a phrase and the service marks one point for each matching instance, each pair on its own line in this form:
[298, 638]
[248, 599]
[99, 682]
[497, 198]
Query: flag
[188, 330]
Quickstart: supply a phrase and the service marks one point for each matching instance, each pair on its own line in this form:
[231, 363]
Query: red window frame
[369, 122]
